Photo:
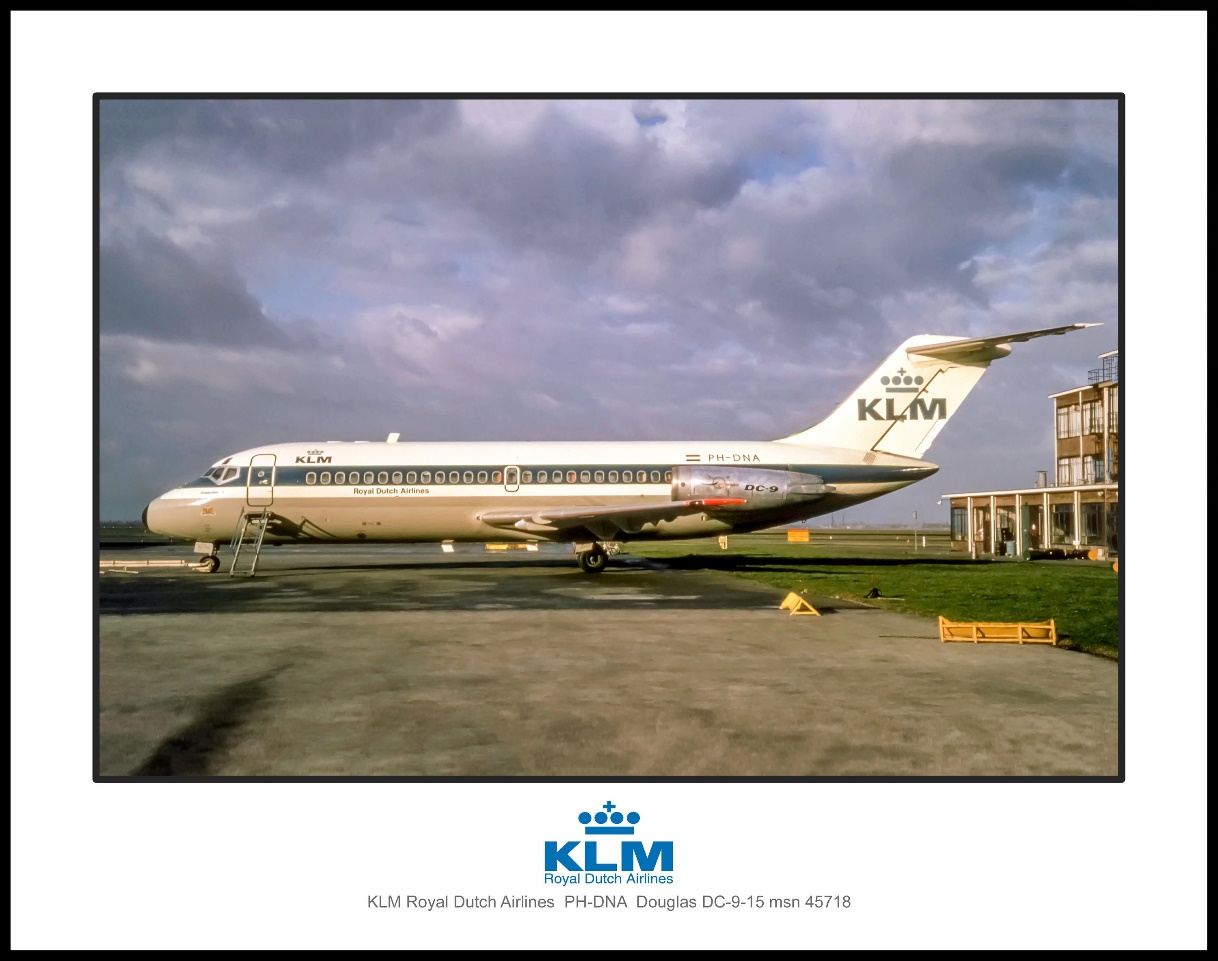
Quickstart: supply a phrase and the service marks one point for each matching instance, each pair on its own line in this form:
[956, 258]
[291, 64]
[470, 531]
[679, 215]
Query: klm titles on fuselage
[934, 408]
[314, 460]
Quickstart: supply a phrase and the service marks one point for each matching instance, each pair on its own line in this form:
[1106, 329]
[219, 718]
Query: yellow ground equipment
[980, 632]
[797, 605]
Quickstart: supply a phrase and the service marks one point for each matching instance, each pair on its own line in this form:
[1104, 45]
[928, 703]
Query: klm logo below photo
[609, 853]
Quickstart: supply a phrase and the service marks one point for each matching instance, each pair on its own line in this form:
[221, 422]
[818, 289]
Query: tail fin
[901, 407]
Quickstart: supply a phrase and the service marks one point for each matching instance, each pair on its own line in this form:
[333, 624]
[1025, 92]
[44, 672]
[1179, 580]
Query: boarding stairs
[247, 539]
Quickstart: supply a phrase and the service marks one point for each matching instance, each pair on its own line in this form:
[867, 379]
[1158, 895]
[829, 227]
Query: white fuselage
[419, 492]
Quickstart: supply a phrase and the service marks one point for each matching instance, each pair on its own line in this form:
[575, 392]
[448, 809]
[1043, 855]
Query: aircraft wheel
[593, 561]
[208, 565]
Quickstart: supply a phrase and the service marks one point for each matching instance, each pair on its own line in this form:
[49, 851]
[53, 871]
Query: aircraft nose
[156, 516]
[144, 517]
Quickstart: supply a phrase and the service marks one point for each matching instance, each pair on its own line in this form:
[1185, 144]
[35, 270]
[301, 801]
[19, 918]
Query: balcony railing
[1111, 371]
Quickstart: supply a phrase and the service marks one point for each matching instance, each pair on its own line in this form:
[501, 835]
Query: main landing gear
[592, 561]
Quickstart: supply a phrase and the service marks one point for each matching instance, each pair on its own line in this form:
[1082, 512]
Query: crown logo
[901, 382]
[312, 452]
[608, 816]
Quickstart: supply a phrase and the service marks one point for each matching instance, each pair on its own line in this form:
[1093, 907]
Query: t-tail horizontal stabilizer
[901, 407]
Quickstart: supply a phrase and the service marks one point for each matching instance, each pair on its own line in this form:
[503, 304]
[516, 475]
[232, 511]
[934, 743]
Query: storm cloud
[274, 270]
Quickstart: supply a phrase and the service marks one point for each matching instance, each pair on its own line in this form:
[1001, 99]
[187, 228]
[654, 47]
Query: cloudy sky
[293, 270]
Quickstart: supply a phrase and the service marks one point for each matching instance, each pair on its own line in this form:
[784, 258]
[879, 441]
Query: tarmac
[405, 662]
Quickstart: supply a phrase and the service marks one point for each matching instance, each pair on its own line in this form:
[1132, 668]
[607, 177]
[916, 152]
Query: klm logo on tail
[902, 382]
[922, 408]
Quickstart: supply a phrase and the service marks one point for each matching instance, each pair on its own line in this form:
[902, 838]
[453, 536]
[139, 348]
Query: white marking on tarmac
[619, 594]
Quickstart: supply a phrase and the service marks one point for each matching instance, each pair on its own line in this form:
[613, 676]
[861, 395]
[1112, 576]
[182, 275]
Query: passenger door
[260, 485]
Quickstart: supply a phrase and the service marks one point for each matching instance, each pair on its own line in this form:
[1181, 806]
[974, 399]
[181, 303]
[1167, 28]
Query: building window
[1069, 421]
[1093, 417]
[1063, 524]
[959, 523]
[1092, 522]
[1093, 469]
[1114, 415]
[1069, 471]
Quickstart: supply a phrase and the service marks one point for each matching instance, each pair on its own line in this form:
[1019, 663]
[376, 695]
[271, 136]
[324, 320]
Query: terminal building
[1075, 511]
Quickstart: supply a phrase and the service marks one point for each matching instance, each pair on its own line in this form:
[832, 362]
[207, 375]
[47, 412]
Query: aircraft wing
[604, 521]
[982, 348]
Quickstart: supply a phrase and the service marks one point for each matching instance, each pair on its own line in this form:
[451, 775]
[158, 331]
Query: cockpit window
[221, 474]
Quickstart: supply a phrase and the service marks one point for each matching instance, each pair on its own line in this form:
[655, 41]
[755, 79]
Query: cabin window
[325, 477]
[411, 477]
[340, 477]
[454, 476]
[584, 477]
[613, 477]
[600, 477]
[383, 477]
[439, 477]
[468, 477]
[497, 477]
[655, 477]
[526, 477]
[627, 476]
[557, 478]
[542, 476]
[481, 477]
[426, 477]
[311, 477]
[667, 477]
[367, 477]
[397, 477]
[572, 477]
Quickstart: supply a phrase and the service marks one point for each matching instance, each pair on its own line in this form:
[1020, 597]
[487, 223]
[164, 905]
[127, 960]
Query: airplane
[589, 494]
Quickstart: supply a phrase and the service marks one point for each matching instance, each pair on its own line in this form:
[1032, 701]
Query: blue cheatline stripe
[297, 476]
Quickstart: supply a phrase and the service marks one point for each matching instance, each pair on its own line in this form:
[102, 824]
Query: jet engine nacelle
[759, 488]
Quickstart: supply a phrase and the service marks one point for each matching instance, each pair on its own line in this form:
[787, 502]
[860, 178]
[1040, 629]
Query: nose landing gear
[208, 564]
